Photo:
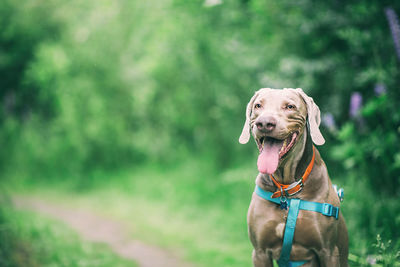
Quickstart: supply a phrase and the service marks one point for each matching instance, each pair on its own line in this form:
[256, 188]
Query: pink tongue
[269, 157]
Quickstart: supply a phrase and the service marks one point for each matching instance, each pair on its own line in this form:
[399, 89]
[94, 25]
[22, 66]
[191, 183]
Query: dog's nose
[266, 124]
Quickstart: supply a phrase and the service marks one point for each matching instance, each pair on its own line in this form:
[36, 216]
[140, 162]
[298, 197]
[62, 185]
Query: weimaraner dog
[294, 214]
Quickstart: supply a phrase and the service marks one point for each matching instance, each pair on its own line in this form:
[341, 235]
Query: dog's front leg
[261, 258]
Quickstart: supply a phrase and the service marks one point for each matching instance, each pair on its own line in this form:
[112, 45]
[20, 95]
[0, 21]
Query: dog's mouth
[272, 150]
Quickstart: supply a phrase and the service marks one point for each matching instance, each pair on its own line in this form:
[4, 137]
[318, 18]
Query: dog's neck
[295, 163]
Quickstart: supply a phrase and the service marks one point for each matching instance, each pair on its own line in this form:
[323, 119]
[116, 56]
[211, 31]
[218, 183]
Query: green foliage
[368, 149]
[369, 145]
[24, 29]
[117, 83]
[388, 255]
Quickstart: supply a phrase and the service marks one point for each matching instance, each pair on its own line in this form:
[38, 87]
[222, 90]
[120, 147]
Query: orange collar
[293, 188]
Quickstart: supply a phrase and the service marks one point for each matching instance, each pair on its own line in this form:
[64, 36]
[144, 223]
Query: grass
[28, 239]
[191, 210]
[200, 213]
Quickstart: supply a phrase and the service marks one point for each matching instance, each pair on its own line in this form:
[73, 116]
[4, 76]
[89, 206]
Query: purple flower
[329, 121]
[380, 89]
[355, 104]
[394, 28]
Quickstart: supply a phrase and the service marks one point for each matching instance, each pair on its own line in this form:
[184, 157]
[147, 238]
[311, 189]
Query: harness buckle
[329, 210]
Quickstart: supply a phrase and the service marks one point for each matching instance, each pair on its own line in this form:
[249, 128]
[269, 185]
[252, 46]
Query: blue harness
[295, 205]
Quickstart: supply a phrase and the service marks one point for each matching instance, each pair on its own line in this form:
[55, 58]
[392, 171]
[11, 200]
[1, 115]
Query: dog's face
[277, 119]
[278, 116]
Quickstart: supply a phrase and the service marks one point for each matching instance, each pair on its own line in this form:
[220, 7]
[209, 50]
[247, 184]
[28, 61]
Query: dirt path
[99, 229]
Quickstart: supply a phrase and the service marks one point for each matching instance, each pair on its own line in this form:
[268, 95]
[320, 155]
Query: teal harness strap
[289, 232]
[295, 205]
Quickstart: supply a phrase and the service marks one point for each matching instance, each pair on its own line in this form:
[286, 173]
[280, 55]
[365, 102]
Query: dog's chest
[267, 223]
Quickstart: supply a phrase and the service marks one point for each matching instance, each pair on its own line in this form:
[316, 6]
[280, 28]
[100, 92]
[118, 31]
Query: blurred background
[133, 109]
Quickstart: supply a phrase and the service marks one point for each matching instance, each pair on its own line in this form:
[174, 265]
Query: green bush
[111, 84]
[369, 145]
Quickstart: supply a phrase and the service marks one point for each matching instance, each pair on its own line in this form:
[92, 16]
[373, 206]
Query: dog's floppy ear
[314, 118]
[245, 136]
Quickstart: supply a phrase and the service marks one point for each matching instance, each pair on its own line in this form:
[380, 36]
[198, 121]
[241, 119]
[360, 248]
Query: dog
[285, 125]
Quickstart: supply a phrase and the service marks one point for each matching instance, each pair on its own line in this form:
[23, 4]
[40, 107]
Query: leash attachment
[284, 203]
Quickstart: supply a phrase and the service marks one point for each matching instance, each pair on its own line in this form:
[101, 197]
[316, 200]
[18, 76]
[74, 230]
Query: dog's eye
[257, 106]
[289, 106]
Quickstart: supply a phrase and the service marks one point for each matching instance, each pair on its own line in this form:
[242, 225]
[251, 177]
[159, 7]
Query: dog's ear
[314, 118]
[245, 136]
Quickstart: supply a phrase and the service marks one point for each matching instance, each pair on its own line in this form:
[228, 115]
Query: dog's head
[277, 119]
